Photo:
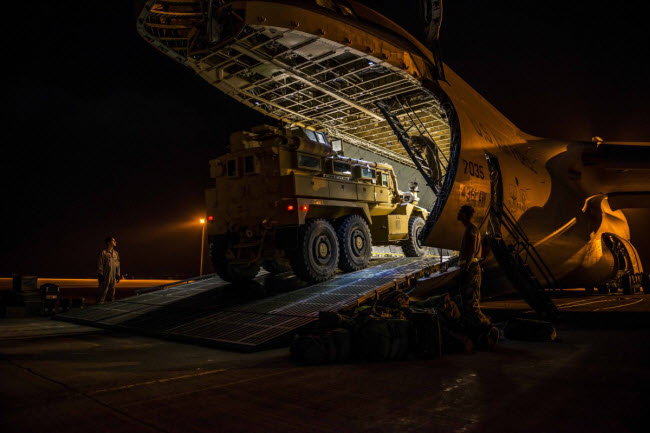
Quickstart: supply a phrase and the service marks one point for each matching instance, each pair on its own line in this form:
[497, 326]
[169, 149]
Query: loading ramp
[184, 312]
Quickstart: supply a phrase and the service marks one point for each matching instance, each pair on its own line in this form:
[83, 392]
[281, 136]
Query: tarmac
[57, 376]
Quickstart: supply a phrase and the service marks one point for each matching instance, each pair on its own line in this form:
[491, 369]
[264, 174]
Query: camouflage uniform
[470, 275]
[108, 268]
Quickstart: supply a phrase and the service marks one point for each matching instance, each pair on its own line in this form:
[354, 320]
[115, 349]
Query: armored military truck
[283, 198]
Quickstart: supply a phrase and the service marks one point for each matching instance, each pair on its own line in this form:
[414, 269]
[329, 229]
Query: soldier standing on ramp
[470, 269]
[108, 271]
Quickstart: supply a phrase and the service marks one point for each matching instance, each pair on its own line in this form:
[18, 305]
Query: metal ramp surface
[188, 312]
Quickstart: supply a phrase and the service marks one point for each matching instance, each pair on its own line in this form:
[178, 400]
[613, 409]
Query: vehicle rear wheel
[229, 272]
[412, 247]
[317, 255]
[355, 243]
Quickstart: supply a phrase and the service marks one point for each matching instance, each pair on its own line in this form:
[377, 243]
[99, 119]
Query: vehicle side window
[310, 134]
[308, 162]
[367, 173]
[321, 138]
[249, 164]
[231, 168]
[384, 179]
[342, 168]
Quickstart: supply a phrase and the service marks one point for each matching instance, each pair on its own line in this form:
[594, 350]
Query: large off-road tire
[228, 272]
[412, 246]
[355, 243]
[317, 255]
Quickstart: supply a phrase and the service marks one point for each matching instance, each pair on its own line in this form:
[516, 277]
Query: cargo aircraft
[551, 210]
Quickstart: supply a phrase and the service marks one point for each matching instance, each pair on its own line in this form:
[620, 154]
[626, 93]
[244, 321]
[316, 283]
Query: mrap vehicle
[283, 196]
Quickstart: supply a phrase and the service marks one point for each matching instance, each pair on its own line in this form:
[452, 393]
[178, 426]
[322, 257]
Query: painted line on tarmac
[209, 388]
[619, 306]
[581, 303]
[151, 382]
[74, 390]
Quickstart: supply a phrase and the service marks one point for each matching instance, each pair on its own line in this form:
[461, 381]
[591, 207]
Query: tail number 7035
[475, 170]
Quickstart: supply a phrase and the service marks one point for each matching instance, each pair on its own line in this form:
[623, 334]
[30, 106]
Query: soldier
[470, 269]
[108, 271]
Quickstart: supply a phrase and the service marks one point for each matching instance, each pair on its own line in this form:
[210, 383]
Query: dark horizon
[108, 136]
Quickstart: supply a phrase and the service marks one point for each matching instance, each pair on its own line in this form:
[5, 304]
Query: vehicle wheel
[317, 255]
[355, 243]
[276, 266]
[412, 246]
[228, 272]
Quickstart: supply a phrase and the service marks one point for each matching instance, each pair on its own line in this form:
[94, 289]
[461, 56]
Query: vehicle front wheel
[412, 247]
[317, 255]
[355, 243]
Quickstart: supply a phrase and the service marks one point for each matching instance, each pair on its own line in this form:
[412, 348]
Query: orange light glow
[202, 220]
[304, 208]
[290, 207]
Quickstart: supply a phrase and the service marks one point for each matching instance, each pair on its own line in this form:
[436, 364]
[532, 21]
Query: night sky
[106, 135]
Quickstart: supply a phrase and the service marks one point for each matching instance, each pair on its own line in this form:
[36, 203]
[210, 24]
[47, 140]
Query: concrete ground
[57, 376]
